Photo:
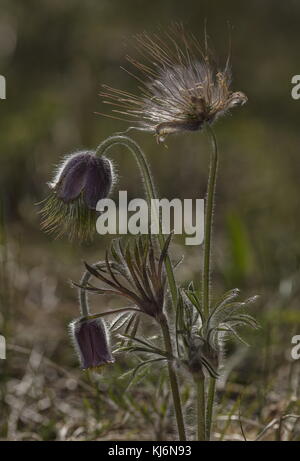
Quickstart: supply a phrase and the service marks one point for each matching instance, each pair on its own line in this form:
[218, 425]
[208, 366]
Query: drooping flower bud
[81, 181]
[91, 342]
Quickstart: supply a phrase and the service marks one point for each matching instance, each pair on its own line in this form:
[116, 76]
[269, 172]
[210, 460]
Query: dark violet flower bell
[87, 174]
[91, 342]
[81, 181]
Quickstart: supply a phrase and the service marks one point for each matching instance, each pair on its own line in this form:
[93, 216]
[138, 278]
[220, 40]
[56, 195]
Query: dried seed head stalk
[180, 88]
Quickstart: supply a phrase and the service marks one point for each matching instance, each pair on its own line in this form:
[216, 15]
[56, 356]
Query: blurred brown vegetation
[55, 55]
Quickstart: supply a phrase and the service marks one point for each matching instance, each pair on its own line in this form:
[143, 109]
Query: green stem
[83, 298]
[210, 198]
[172, 376]
[200, 386]
[114, 311]
[210, 406]
[140, 158]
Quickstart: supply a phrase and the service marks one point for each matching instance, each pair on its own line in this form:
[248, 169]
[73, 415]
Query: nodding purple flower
[81, 181]
[91, 342]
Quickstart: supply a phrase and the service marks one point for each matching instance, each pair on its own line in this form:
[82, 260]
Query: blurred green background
[55, 55]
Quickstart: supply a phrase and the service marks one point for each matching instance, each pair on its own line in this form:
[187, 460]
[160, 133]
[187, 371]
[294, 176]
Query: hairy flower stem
[83, 299]
[210, 406]
[140, 158]
[201, 426]
[172, 376]
[151, 194]
[210, 198]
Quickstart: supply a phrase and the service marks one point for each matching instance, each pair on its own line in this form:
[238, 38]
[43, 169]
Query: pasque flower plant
[180, 90]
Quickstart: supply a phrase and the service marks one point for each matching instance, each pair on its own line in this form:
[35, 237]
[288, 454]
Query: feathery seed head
[180, 88]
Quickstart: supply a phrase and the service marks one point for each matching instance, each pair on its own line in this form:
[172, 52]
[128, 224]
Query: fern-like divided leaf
[199, 338]
[132, 269]
[226, 317]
